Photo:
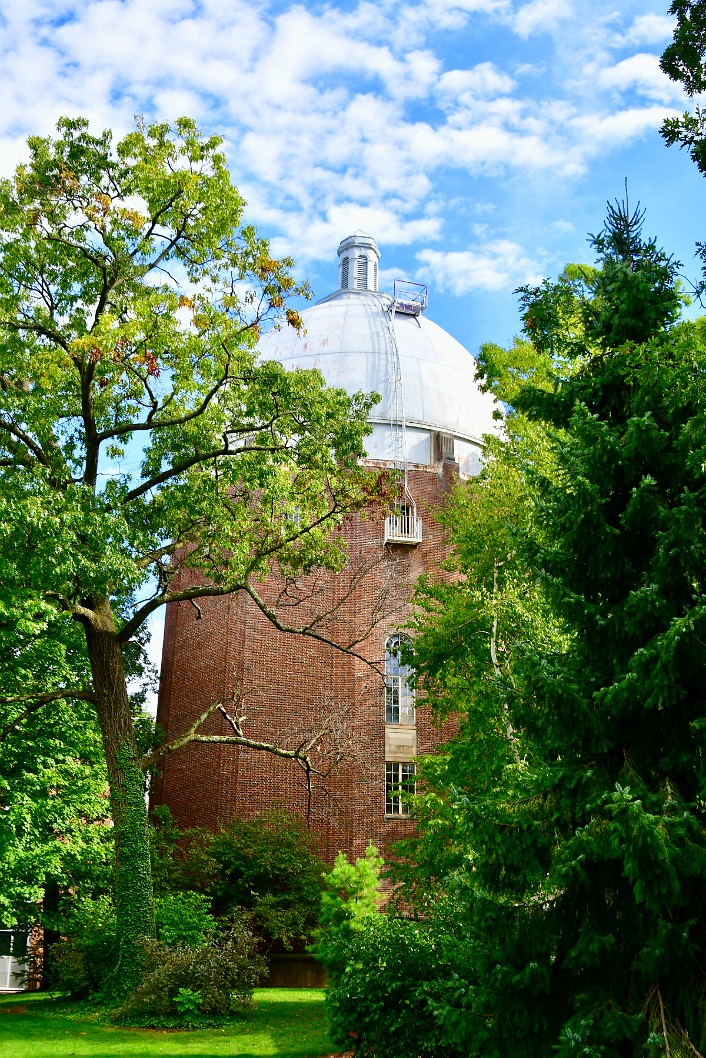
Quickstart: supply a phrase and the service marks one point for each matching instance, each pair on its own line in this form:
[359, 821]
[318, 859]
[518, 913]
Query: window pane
[399, 780]
[399, 694]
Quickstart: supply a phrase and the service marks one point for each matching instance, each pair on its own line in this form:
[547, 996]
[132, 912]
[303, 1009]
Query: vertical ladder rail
[398, 423]
[402, 526]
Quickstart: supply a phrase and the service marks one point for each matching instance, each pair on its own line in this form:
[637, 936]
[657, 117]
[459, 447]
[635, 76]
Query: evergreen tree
[576, 845]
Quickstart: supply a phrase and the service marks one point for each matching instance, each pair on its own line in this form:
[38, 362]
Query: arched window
[399, 693]
[344, 273]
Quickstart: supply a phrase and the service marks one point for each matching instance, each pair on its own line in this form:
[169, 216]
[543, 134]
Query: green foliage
[188, 1003]
[131, 302]
[83, 962]
[268, 866]
[352, 892]
[349, 902]
[566, 822]
[222, 973]
[183, 918]
[382, 1002]
[684, 60]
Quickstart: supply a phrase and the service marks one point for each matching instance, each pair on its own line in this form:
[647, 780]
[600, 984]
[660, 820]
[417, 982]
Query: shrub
[351, 897]
[222, 973]
[183, 918]
[381, 1000]
[268, 865]
[84, 962]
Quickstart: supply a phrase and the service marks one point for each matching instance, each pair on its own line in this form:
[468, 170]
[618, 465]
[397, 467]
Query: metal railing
[403, 527]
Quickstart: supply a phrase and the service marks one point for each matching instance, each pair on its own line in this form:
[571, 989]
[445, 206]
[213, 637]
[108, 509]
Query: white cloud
[485, 79]
[650, 29]
[542, 16]
[374, 115]
[495, 265]
[642, 73]
[563, 227]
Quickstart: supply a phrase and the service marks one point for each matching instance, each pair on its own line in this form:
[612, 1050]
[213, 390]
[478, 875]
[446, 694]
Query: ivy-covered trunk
[133, 883]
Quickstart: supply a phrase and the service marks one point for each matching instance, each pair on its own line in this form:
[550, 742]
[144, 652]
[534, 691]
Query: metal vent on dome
[358, 255]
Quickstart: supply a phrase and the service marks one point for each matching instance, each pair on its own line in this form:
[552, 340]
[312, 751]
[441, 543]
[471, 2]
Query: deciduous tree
[137, 423]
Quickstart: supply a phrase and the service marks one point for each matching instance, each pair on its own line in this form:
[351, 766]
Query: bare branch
[177, 743]
[306, 630]
[201, 591]
[300, 754]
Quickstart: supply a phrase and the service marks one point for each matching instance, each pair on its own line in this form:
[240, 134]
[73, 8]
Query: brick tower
[428, 425]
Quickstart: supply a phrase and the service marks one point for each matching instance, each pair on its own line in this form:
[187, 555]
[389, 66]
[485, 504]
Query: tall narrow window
[399, 694]
[400, 783]
[344, 273]
[361, 272]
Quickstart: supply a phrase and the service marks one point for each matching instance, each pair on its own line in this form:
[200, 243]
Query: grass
[286, 1023]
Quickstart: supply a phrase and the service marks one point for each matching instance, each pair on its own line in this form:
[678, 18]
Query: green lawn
[286, 1023]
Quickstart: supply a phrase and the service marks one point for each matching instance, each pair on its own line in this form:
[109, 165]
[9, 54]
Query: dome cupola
[358, 268]
[360, 338]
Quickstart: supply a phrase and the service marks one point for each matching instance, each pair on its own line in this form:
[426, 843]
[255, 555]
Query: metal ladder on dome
[403, 525]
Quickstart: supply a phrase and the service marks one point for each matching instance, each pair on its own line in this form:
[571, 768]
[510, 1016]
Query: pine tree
[580, 867]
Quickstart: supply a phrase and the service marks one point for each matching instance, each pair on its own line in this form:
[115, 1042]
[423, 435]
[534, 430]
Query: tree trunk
[133, 882]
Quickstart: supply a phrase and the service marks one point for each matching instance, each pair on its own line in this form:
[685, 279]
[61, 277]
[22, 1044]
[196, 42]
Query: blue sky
[476, 140]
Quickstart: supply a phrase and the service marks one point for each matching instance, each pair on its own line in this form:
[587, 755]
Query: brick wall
[286, 684]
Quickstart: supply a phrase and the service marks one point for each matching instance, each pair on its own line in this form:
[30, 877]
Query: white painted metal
[10, 968]
[346, 340]
[404, 526]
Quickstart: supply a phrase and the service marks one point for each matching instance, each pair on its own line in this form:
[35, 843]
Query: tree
[684, 61]
[575, 856]
[140, 431]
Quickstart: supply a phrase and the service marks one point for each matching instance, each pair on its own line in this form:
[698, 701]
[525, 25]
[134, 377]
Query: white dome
[348, 338]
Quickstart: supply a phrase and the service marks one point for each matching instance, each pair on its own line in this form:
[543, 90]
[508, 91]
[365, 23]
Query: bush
[83, 964]
[183, 919]
[180, 984]
[381, 1001]
[351, 897]
[268, 865]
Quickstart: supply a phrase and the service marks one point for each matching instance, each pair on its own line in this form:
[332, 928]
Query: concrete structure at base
[429, 425]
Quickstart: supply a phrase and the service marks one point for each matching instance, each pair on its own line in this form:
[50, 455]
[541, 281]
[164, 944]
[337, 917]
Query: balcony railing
[403, 527]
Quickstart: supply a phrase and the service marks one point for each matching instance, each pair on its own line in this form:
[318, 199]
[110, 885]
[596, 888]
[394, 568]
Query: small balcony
[403, 526]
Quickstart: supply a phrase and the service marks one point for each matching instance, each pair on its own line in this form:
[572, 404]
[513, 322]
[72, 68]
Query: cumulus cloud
[650, 29]
[642, 74]
[396, 119]
[542, 16]
[495, 265]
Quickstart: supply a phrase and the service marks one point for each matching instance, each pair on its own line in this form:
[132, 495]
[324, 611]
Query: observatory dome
[362, 339]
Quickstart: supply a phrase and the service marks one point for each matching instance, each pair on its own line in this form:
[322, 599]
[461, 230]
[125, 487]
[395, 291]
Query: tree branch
[300, 754]
[37, 701]
[193, 461]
